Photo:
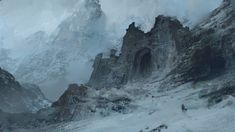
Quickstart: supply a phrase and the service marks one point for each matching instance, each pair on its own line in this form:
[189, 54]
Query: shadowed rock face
[142, 54]
[16, 98]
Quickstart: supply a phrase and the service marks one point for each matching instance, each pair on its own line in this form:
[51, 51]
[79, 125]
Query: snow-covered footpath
[155, 108]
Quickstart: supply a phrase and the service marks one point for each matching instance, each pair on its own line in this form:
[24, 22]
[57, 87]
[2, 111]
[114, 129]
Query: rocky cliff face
[16, 98]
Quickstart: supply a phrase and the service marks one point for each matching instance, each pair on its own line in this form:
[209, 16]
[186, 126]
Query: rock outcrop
[80, 102]
[73, 103]
[16, 98]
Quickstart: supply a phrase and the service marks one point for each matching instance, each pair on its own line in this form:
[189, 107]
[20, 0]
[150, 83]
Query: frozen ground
[154, 109]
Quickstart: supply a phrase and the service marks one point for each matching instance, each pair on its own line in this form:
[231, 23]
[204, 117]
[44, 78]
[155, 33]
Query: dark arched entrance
[143, 62]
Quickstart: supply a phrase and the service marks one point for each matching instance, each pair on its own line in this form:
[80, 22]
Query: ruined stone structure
[172, 52]
[142, 54]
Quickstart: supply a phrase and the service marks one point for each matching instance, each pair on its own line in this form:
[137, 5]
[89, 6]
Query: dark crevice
[143, 62]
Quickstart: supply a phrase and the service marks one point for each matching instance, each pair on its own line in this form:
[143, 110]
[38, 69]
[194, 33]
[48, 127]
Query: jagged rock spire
[168, 21]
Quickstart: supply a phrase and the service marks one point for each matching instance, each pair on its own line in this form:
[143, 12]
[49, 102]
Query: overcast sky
[27, 16]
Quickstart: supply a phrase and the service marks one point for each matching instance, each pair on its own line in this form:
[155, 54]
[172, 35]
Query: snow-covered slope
[155, 109]
[222, 17]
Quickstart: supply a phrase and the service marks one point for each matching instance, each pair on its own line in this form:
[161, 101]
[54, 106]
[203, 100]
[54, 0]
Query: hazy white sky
[144, 11]
[27, 16]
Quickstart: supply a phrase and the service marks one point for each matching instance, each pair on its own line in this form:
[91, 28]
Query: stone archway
[143, 62]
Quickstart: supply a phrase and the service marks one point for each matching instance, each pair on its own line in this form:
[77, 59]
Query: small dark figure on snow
[183, 108]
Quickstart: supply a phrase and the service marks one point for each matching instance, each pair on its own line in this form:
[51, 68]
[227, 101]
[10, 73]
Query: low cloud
[122, 12]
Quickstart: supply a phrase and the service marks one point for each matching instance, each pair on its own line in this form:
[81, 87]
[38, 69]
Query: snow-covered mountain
[65, 56]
